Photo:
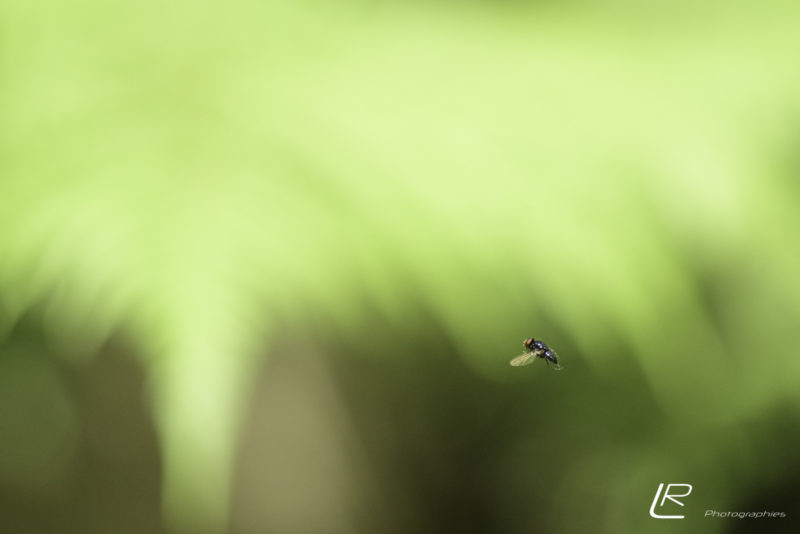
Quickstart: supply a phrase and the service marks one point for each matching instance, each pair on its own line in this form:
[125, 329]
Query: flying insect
[536, 348]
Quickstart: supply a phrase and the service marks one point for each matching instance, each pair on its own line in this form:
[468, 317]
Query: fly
[535, 348]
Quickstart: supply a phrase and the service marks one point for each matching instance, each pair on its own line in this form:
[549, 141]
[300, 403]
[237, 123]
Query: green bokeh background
[263, 265]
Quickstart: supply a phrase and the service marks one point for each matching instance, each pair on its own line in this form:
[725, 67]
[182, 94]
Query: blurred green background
[263, 265]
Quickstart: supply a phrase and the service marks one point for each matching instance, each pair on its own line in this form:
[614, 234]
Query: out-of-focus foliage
[620, 180]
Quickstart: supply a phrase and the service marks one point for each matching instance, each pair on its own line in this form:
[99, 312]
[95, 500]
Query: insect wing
[523, 359]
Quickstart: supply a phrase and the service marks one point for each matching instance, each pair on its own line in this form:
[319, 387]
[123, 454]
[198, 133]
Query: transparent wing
[523, 359]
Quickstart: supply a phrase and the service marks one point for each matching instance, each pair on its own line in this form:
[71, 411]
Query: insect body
[535, 348]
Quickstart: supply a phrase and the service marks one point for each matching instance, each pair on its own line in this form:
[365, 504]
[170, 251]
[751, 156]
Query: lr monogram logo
[670, 496]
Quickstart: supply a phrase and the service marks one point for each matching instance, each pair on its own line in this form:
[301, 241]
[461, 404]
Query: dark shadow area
[775, 485]
[781, 497]
[77, 439]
